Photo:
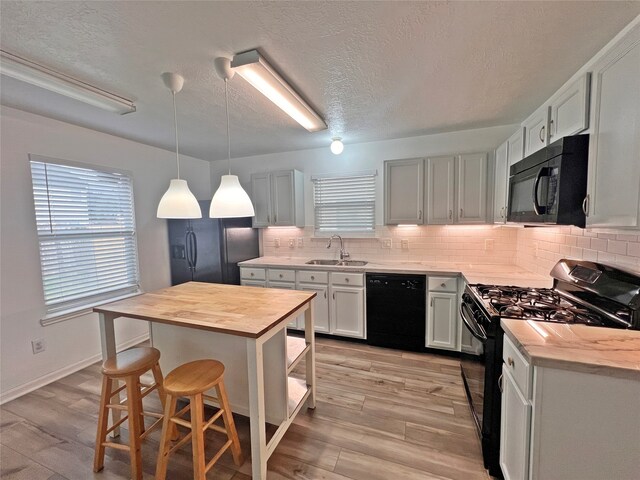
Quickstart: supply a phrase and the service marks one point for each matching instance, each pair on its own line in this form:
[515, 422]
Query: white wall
[363, 156]
[71, 344]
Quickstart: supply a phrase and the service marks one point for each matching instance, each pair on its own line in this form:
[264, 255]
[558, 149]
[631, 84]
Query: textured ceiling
[373, 70]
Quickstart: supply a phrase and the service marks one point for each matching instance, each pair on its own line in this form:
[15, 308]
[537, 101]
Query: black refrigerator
[209, 249]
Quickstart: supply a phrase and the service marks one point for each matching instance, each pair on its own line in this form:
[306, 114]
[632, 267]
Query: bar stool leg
[197, 437]
[159, 379]
[103, 420]
[229, 424]
[140, 408]
[133, 394]
[165, 438]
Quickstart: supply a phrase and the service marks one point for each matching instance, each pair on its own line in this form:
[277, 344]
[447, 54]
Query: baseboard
[63, 372]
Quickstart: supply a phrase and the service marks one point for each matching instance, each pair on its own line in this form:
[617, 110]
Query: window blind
[86, 231]
[345, 203]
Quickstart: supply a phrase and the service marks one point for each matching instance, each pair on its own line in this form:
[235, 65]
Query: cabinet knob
[253, 274]
[510, 361]
[443, 285]
[346, 280]
[280, 275]
[312, 277]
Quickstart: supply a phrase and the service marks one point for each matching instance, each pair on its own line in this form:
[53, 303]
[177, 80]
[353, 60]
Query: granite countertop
[495, 274]
[607, 351]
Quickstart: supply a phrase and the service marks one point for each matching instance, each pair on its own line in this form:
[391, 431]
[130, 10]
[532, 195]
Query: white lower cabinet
[320, 306]
[442, 323]
[298, 323]
[515, 430]
[347, 311]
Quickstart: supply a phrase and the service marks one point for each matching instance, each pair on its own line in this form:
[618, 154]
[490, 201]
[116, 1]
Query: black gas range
[585, 293]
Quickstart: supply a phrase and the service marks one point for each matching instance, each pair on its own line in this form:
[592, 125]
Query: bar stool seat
[127, 367]
[192, 380]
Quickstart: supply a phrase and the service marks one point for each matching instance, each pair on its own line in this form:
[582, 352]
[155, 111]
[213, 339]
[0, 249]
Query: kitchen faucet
[343, 254]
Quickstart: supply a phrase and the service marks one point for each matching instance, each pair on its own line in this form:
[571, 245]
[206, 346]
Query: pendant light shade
[230, 200]
[178, 201]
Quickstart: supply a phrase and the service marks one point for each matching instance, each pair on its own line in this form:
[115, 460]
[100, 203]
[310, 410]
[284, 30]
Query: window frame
[75, 308]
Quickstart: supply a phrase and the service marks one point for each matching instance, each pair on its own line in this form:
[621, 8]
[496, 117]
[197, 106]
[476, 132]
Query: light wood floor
[381, 415]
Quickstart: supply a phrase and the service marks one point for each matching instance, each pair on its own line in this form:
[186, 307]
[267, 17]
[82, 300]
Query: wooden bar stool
[192, 380]
[128, 366]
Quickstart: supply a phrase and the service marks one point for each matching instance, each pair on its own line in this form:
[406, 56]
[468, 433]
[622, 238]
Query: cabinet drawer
[443, 284]
[517, 366]
[306, 276]
[252, 273]
[282, 275]
[353, 279]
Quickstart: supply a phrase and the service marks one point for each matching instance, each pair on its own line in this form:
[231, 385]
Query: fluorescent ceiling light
[43, 77]
[254, 69]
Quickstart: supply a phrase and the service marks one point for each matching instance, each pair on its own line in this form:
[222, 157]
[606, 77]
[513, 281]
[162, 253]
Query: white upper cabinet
[404, 192]
[613, 192]
[278, 198]
[536, 130]
[472, 188]
[500, 183]
[570, 109]
[515, 152]
[440, 189]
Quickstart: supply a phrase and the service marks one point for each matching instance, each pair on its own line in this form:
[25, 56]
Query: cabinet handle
[585, 205]
[275, 219]
[334, 295]
[268, 218]
[510, 361]
[419, 214]
[461, 213]
[500, 382]
[325, 294]
[551, 128]
[502, 212]
[450, 214]
[541, 133]
[431, 302]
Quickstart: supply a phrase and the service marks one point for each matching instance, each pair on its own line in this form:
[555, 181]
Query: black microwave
[550, 185]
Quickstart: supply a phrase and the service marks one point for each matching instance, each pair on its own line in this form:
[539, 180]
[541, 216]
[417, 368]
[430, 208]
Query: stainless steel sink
[352, 263]
[323, 262]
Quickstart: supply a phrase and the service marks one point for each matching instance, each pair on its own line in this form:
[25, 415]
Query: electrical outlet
[489, 243]
[276, 242]
[404, 243]
[292, 243]
[386, 243]
[38, 346]
[300, 242]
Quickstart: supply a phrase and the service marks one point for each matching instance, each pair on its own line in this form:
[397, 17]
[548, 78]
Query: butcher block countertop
[606, 351]
[493, 274]
[230, 309]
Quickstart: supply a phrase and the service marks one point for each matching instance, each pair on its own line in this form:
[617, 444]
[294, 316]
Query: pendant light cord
[175, 124]
[226, 98]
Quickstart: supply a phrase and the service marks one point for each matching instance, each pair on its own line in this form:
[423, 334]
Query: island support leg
[108, 345]
[310, 360]
[255, 365]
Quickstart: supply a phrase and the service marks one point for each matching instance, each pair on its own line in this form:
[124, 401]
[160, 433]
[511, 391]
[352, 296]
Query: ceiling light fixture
[29, 72]
[230, 200]
[254, 69]
[178, 201]
[336, 146]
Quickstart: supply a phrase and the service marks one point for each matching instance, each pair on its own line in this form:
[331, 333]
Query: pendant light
[230, 200]
[178, 201]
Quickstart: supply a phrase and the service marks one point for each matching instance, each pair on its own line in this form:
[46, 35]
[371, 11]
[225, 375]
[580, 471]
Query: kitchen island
[243, 327]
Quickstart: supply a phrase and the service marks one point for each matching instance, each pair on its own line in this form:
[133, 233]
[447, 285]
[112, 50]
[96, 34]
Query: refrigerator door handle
[194, 250]
[187, 246]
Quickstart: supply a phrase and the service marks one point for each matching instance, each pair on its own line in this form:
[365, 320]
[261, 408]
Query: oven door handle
[470, 323]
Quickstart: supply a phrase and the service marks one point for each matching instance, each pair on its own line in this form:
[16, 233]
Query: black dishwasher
[396, 311]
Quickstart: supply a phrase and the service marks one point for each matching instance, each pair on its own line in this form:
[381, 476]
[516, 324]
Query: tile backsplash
[444, 243]
[536, 249]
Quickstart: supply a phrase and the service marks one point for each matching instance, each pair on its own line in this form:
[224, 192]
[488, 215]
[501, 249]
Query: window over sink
[86, 232]
[345, 203]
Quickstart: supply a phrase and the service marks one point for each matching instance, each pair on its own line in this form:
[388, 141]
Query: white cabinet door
[613, 195]
[261, 198]
[298, 323]
[536, 131]
[320, 308]
[442, 321]
[282, 198]
[570, 110]
[515, 430]
[516, 147]
[347, 311]
[404, 192]
[472, 188]
[500, 184]
[440, 189]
